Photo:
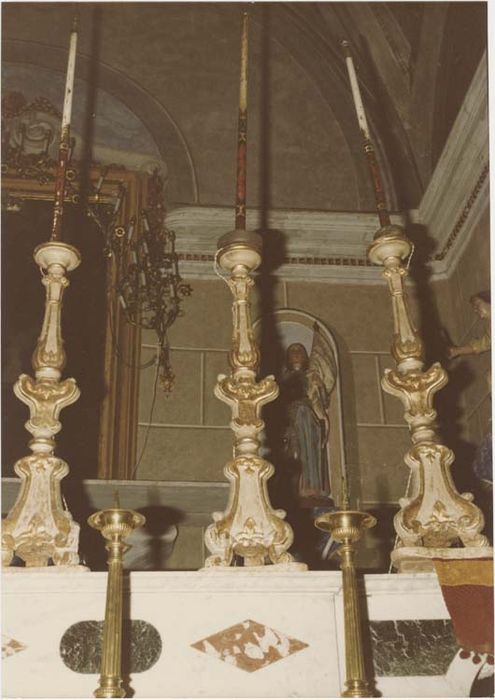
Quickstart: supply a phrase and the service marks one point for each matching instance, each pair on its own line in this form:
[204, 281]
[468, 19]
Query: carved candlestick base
[347, 527]
[38, 529]
[115, 524]
[433, 514]
[249, 527]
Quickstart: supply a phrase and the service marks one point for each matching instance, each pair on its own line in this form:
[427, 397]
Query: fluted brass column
[115, 525]
[347, 527]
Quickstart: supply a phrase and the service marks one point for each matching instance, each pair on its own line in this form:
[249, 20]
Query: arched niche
[157, 123]
[294, 326]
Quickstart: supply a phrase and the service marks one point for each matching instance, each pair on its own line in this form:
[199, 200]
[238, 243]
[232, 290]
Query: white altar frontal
[234, 633]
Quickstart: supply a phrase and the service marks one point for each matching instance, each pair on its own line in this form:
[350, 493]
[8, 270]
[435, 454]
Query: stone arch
[155, 118]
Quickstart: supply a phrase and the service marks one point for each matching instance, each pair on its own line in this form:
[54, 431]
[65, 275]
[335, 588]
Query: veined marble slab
[228, 634]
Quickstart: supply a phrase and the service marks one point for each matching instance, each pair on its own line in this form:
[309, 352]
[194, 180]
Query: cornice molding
[458, 192]
[324, 246]
[318, 244]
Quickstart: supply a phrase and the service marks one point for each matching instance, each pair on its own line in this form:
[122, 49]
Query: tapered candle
[240, 200]
[381, 206]
[64, 147]
[69, 83]
[356, 93]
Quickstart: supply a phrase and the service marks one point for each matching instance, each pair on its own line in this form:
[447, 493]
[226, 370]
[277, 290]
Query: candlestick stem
[347, 527]
[115, 524]
[240, 201]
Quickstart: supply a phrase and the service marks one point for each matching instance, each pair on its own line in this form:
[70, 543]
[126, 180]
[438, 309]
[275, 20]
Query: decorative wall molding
[318, 244]
[331, 246]
[458, 193]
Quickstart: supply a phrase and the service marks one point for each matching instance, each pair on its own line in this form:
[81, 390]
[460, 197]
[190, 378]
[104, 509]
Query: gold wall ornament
[39, 529]
[347, 527]
[115, 524]
[249, 527]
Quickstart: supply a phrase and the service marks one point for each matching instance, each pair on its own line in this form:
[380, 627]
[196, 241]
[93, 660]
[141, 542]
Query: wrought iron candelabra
[148, 283]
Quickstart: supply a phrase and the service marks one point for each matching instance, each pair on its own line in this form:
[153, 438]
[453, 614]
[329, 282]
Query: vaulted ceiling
[175, 67]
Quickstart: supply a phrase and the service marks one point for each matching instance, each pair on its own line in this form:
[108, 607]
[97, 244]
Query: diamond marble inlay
[10, 646]
[249, 645]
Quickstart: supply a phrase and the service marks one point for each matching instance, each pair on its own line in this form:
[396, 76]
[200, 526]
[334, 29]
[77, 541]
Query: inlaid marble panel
[249, 645]
[11, 646]
[412, 647]
[80, 646]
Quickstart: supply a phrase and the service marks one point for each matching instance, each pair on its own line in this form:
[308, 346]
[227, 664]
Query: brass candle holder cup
[115, 524]
[347, 527]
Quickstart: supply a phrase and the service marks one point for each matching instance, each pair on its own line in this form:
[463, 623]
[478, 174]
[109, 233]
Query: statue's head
[481, 304]
[297, 357]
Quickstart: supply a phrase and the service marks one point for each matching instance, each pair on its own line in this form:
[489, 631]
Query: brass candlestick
[115, 524]
[347, 527]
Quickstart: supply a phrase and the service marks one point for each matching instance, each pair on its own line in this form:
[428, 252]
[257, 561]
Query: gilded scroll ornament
[433, 515]
[39, 529]
[249, 527]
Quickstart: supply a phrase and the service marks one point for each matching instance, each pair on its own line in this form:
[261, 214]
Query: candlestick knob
[239, 247]
[116, 524]
[345, 525]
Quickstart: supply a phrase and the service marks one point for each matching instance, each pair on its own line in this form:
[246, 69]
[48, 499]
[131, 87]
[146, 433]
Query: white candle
[356, 94]
[69, 83]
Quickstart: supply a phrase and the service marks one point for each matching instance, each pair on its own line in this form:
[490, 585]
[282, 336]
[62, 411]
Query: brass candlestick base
[115, 524]
[347, 527]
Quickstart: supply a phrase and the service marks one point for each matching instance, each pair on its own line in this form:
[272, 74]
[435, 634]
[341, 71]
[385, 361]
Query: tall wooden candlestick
[369, 150]
[240, 196]
[39, 529]
[434, 516]
[64, 146]
[249, 528]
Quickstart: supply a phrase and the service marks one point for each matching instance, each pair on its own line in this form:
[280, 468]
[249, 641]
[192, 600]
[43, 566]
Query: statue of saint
[306, 387]
[481, 304]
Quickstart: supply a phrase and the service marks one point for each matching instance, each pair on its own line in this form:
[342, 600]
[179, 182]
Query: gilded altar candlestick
[39, 529]
[64, 146]
[369, 151]
[115, 524]
[240, 200]
[249, 528]
[433, 515]
[347, 527]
